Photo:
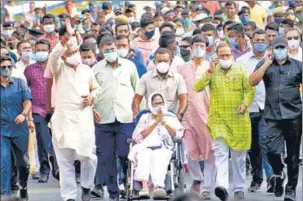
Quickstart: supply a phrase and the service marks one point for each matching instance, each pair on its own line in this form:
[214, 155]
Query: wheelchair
[174, 182]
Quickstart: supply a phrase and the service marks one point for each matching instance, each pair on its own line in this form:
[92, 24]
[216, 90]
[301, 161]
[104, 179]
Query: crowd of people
[224, 77]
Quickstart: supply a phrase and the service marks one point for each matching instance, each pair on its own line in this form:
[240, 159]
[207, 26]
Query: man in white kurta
[72, 123]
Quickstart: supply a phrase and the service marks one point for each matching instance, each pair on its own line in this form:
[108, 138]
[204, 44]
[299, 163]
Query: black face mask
[185, 54]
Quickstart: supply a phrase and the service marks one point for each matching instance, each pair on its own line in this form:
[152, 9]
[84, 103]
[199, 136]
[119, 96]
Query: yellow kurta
[227, 92]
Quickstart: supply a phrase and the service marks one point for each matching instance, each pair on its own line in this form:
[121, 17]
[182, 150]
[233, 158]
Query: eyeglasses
[280, 47]
[4, 67]
[294, 37]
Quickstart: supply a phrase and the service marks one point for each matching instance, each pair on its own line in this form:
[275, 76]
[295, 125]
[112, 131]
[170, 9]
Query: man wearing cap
[146, 41]
[278, 14]
[282, 77]
[202, 19]
[237, 39]
[7, 29]
[189, 26]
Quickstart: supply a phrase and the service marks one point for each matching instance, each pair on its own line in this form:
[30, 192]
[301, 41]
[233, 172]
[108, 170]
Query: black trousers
[279, 131]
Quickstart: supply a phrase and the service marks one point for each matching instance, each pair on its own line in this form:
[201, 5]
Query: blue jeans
[111, 141]
[43, 142]
[19, 146]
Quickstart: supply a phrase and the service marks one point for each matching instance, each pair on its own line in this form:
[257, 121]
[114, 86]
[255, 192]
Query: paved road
[50, 192]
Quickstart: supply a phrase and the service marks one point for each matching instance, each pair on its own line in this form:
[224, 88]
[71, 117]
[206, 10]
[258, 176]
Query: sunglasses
[280, 47]
[295, 37]
[4, 67]
[184, 46]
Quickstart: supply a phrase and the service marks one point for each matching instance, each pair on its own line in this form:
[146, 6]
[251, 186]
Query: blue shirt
[140, 66]
[12, 99]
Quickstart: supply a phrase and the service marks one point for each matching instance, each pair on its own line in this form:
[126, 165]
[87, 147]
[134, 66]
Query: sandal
[206, 195]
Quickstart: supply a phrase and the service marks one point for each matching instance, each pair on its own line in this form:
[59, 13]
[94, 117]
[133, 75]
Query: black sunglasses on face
[184, 46]
[4, 67]
[294, 37]
[280, 47]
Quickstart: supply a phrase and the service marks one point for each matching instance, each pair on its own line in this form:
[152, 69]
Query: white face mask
[225, 63]
[111, 56]
[89, 62]
[198, 52]
[49, 28]
[122, 52]
[7, 33]
[179, 31]
[221, 34]
[293, 44]
[74, 59]
[163, 67]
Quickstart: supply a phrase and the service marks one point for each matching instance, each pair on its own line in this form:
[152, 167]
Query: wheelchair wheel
[181, 185]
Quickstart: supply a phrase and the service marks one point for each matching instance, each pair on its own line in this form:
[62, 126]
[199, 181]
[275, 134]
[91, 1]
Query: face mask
[225, 63]
[74, 59]
[278, 20]
[293, 44]
[179, 31]
[299, 17]
[89, 62]
[149, 34]
[155, 109]
[184, 52]
[49, 28]
[163, 67]
[111, 56]
[198, 52]
[244, 19]
[62, 24]
[260, 47]
[187, 23]
[210, 41]
[26, 55]
[131, 20]
[233, 42]
[86, 27]
[6, 72]
[7, 33]
[40, 56]
[122, 52]
[281, 31]
[280, 54]
[221, 34]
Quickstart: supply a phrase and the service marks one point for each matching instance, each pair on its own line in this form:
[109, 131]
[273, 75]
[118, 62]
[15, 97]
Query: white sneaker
[121, 187]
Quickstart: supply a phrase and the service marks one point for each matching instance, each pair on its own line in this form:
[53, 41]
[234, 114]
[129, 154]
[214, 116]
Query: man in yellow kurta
[228, 123]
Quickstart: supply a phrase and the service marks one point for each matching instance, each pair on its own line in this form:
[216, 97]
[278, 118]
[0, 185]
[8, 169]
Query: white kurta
[72, 122]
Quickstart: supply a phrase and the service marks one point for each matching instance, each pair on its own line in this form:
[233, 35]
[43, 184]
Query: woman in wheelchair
[154, 146]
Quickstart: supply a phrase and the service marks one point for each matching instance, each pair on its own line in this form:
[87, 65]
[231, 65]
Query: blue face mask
[40, 56]
[149, 34]
[278, 20]
[244, 19]
[26, 56]
[280, 54]
[187, 23]
[6, 72]
[233, 42]
[62, 24]
[210, 41]
[260, 47]
[281, 31]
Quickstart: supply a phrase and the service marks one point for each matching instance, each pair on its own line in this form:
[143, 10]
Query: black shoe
[279, 185]
[254, 187]
[35, 175]
[290, 196]
[270, 185]
[78, 178]
[23, 194]
[86, 194]
[70, 200]
[98, 191]
[15, 189]
[114, 199]
[43, 178]
[221, 193]
[239, 195]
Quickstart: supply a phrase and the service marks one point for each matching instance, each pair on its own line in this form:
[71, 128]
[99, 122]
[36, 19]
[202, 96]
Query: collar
[155, 74]
[238, 51]
[252, 55]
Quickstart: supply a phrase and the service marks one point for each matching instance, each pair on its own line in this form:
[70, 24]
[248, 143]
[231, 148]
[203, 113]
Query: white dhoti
[152, 163]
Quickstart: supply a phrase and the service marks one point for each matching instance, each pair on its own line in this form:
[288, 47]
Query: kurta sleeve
[202, 83]
[94, 87]
[249, 91]
[55, 58]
